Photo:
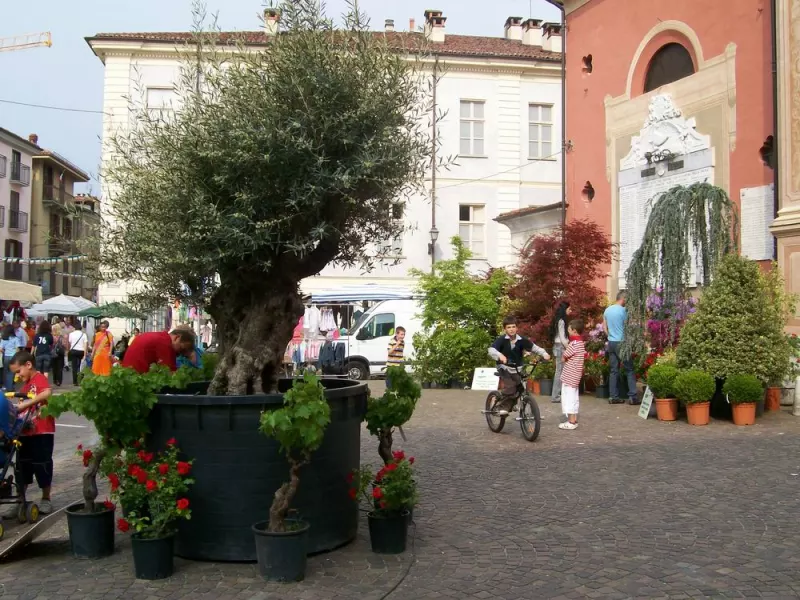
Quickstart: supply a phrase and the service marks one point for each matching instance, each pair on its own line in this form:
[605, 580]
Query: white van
[368, 342]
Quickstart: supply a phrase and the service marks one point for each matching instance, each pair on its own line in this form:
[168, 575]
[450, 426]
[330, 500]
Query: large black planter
[601, 391]
[388, 534]
[546, 387]
[282, 556]
[152, 559]
[237, 469]
[91, 535]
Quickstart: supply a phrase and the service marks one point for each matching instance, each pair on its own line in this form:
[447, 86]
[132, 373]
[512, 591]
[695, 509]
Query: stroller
[12, 490]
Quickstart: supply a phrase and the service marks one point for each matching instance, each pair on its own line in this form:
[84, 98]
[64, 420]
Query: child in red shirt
[572, 374]
[36, 452]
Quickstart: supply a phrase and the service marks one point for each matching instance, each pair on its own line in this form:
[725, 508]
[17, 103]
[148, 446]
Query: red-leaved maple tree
[562, 265]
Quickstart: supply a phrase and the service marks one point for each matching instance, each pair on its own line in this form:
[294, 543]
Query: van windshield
[359, 322]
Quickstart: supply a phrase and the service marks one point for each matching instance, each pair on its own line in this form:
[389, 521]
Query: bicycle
[530, 418]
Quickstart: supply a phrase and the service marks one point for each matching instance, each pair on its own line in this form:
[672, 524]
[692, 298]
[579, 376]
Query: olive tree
[281, 158]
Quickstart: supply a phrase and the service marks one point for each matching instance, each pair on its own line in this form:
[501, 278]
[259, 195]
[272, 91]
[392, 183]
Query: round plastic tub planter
[237, 469]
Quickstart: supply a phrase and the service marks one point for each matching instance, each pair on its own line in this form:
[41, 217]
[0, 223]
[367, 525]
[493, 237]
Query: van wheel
[357, 370]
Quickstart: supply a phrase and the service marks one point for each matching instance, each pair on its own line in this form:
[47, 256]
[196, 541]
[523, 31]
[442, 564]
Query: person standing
[77, 350]
[206, 335]
[10, 345]
[30, 333]
[19, 331]
[59, 352]
[43, 344]
[397, 347]
[159, 348]
[558, 333]
[614, 319]
[571, 375]
[101, 350]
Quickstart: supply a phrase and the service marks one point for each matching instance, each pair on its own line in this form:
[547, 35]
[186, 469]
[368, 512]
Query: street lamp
[434, 233]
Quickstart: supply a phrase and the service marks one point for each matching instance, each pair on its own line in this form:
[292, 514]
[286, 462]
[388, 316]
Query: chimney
[552, 37]
[513, 28]
[412, 25]
[271, 18]
[33, 139]
[434, 26]
[532, 32]
[389, 25]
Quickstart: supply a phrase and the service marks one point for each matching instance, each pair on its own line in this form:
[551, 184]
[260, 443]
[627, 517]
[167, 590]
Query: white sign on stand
[647, 401]
[485, 379]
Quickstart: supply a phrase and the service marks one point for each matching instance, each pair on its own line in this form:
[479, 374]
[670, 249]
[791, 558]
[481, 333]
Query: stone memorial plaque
[758, 212]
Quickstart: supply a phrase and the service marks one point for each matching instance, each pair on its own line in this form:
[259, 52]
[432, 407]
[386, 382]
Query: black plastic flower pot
[153, 558]
[282, 556]
[601, 391]
[546, 387]
[91, 535]
[388, 534]
[426, 385]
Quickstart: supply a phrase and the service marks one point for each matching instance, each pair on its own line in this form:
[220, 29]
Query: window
[14, 201]
[16, 157]
[670, 63]
[13, 270]
[67, 229]
[540, 131]
[471, 229]
[394, 248]
[379, 326]
[159, 101]
[472, 135]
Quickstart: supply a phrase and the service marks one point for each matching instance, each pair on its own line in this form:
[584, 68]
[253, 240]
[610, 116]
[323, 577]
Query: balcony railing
[2, 216]
[56, 195]
[20, 173]
[3, 165]
[13, 271]
[18, 221]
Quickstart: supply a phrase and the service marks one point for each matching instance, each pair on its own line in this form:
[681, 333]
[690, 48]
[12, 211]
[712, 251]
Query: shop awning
[362, 293]
[24, 293]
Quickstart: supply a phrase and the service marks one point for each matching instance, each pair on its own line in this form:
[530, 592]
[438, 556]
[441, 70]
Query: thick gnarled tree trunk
[90, 481]
[284, 496]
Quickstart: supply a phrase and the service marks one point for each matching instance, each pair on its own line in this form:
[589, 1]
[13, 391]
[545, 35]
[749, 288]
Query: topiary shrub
[546, 369]
[742, 389]
[738, 326]
[392, 410]
[661, 380]
[694, 386]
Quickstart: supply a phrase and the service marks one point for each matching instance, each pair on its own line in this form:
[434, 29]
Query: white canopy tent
[369, 292]
[62, 305]
[24, 293]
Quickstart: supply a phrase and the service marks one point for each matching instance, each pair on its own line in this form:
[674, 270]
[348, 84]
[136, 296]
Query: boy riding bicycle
[509, 351]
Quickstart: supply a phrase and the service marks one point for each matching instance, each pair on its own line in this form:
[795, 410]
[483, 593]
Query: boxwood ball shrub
[741, 389]
[694, 386]
[661, 379]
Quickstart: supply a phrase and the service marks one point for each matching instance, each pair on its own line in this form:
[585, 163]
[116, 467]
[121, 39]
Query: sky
[68, 75]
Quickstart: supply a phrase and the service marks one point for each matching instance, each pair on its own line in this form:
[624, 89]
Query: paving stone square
[619, 508]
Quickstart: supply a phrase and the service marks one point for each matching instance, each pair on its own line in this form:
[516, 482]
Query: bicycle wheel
[530, 419]
[495, 421]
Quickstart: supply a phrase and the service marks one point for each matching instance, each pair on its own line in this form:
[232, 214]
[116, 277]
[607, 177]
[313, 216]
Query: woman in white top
[558, 333]
[78, 342]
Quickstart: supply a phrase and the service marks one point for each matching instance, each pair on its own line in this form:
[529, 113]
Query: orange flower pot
[699, 413]
[533, 386]
[744, 413]
[772, 401]
[667, 409]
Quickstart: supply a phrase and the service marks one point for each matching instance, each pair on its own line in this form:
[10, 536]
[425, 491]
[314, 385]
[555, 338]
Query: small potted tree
[392, 410]
[159, 484]
[392, 493]
[118, 405]
[299, 428]
[695, 388]
[544, 372]
[660, 380]
[743, 392]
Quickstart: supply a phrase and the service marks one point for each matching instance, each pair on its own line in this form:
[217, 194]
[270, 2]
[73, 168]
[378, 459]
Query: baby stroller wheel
[22, 514]
[32, 512]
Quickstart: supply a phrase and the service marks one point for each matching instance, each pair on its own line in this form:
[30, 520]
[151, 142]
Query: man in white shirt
[19, 331]
[78, 342]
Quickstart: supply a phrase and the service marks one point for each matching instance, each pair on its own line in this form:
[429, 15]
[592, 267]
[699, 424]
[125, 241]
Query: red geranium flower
[377, 493]
[87, 456]
[141, 476]
[399, 455]
[182, 503]
[114, 479]
[172, 442]
[123, 525]
[411, 460]
[163, 468]
[391, 467]
[184, 468]
[133, 469]
[350, 477]
[137, 443]
[383, 504]
[109, 505]
[80, 446]
[353, 493]
[151, 485]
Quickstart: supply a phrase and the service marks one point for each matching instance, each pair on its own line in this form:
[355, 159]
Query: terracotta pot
[773, 399]
[667, 409]
[537, 388]
[744, 413]
[698, 414]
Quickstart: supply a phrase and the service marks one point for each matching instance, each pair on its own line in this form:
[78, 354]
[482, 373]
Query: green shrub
[694, 386]
[392, 410]
[451, 353]
[546, 369]
[661, 379]
[741, 389]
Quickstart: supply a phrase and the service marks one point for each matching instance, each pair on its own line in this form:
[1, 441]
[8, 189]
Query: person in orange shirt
[101, 350]
[30, 331]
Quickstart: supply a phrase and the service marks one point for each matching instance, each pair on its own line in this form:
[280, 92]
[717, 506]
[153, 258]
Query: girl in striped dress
[572, 374]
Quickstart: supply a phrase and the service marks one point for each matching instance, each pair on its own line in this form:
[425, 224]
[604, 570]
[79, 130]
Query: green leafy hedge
[661, 380]
[694, 386]
[741, 389]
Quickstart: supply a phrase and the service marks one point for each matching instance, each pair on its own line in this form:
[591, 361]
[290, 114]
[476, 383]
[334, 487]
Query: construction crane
[28, 40]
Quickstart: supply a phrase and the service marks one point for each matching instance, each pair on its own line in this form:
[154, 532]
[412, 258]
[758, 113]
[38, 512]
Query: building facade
[683, 95]
[16, 159]
[501, 100]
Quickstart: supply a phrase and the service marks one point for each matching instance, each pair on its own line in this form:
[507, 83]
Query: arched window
[671, 63]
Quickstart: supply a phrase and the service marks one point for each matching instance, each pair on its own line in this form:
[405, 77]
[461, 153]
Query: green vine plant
[685, 222]
[391, 410]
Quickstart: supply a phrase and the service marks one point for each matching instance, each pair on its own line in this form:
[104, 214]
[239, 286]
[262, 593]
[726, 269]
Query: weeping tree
[686, 224]
[277, 161]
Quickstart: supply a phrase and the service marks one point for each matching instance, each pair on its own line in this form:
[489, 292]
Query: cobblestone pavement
[619, 508]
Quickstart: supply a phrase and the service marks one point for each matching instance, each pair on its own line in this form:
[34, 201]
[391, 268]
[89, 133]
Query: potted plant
[544, 373]
[392, 493]
[695, 388]
[392, 410]
[299, 428]
[118, 405]
[743, 392]
[660, 380]
[159, 483]
[597, 369]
